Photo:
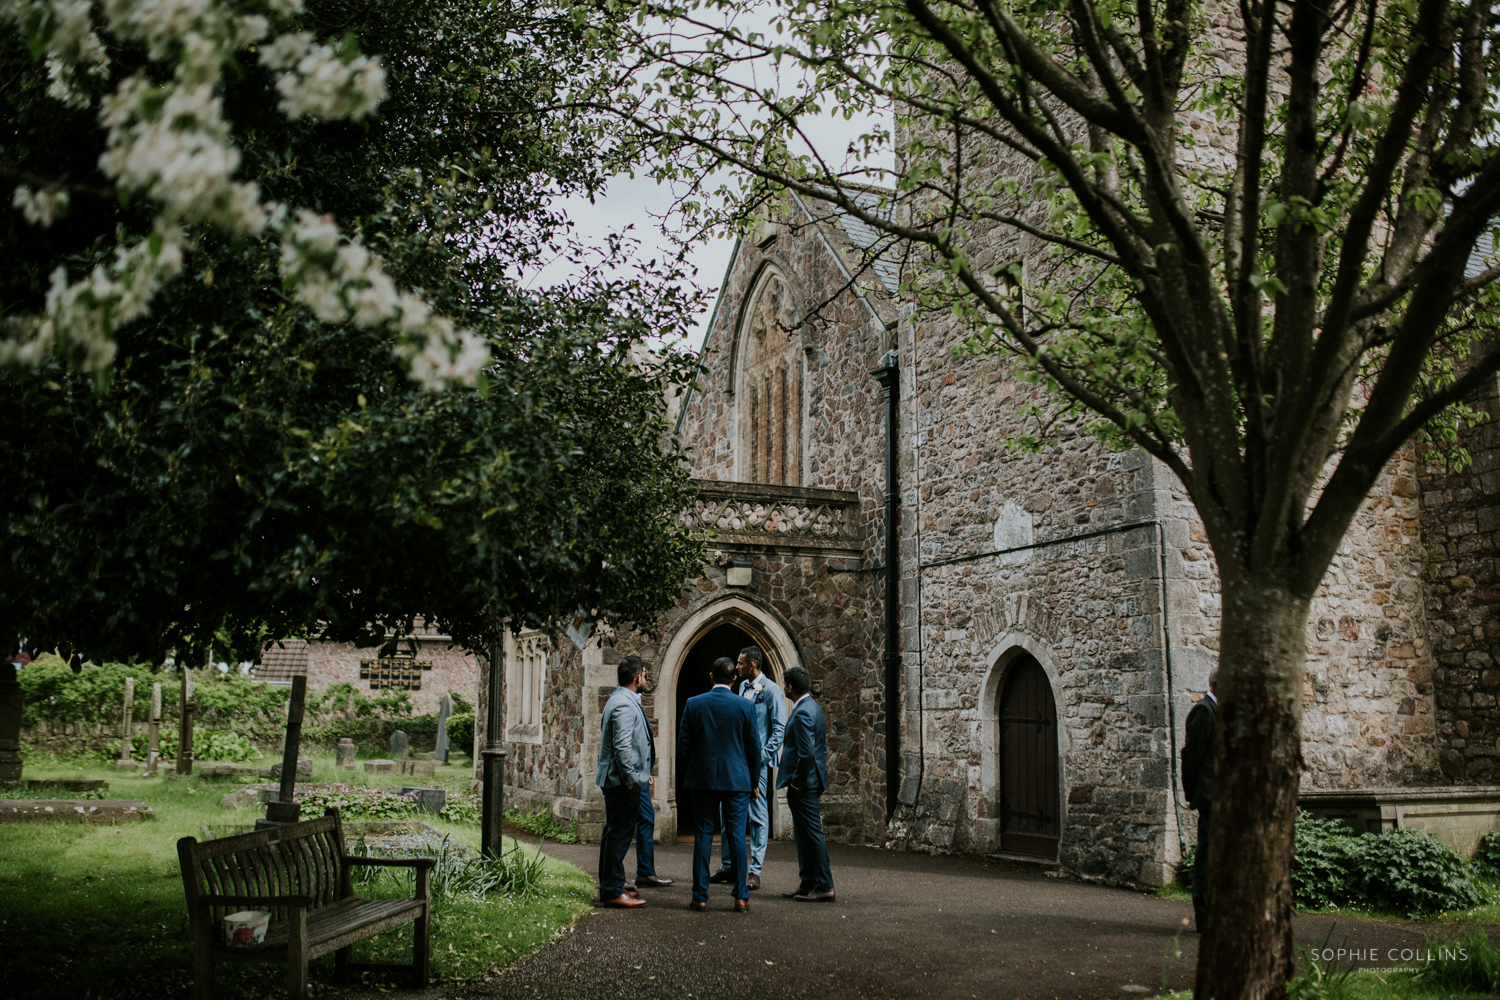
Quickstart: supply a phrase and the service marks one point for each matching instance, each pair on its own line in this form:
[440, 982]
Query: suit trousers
[707, 805]
[812, 850]
[645, 836]
[1200, 870]
[622, 806]
[757, 823]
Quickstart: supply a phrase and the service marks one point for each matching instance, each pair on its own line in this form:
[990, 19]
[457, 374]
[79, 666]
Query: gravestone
[285, 809]
[428, 799]
[304, 769]
[153, 732]
[445, 710]
[420, 768]
[187, 705]
[381, 767]
[128, 709]
[345, 752]
[399, 745]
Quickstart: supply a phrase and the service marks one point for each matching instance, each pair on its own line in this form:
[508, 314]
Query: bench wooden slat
[304, 860]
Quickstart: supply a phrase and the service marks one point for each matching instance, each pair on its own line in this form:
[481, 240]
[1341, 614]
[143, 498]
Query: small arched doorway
[692, 679]
[1030, 813]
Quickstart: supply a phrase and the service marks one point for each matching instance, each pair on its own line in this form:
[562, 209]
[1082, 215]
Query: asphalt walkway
[905, 925]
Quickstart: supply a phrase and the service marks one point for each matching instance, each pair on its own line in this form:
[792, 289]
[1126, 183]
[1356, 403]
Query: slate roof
[865, 236]
[281, 661]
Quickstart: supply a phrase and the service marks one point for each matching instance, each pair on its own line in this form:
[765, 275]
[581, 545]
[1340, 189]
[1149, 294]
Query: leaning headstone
[445, 710]
[399, 745]
[125, 763]
[286, 810]
[419, 768]
[346, 750]
[428, 799]
[304, 769]
[380, 767]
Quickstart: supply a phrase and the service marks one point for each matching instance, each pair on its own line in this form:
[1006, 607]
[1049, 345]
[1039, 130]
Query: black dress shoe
[653, 881]
[695, 905]
[722, 875]
[814, 897]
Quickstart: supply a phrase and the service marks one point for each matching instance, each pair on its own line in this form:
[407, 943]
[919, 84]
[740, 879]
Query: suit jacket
[624, 742]
[717, 743]
[1198, 754]
[804, 758]
[769, 706]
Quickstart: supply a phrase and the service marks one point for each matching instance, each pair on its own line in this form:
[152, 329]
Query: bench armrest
[293, 902]
[391, 862]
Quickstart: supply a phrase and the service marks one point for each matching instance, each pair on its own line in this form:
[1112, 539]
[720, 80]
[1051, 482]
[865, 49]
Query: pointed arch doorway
[698, 640]
[1030, 813]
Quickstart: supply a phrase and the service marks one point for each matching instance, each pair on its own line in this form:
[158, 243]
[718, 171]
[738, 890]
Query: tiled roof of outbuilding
[283, 660]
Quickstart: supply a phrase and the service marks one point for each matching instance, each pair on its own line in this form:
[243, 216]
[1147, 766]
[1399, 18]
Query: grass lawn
[97, 911]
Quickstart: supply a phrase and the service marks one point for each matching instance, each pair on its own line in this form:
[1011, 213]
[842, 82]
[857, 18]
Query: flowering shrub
[168, 141]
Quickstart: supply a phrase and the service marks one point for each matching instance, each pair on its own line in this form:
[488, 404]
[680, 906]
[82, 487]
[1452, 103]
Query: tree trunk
[1246, 950]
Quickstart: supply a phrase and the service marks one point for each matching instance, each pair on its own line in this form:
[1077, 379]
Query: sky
[640, 203]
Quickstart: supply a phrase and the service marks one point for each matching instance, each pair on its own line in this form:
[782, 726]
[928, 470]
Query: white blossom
[40, 207]
[316, 81]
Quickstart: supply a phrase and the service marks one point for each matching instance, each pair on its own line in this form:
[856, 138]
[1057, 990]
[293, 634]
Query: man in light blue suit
[769, 706]
[720, 756]
[804, 775]
[624, 767]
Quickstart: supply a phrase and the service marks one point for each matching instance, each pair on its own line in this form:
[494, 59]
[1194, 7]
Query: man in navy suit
[804, 775]
[720, 757]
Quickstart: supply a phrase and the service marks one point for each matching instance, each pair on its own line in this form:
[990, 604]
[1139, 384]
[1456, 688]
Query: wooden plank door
[1030, 821]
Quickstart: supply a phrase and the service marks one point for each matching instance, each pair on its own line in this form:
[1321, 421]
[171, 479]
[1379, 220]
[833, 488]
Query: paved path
[905, 926]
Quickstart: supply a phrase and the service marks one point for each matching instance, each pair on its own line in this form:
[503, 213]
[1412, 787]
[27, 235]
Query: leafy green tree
[258, 464]
[1271, 314]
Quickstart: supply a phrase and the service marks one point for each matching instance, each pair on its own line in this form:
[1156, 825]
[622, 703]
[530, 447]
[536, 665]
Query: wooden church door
[1030, 821]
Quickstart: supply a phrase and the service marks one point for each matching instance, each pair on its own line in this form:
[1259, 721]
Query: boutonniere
[758, 686]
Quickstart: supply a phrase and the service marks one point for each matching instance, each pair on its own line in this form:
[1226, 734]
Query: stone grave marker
[380, 767]
[153, 731]
[345, 751]
[128, 709]
[186, 705]
[445, 710]
[428, 799]
[399, 745]
[285, 809]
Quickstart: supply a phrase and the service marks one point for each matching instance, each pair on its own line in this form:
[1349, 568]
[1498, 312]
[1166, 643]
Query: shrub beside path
[905, 926]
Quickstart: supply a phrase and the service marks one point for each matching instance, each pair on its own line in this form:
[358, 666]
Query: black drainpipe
[888, 375]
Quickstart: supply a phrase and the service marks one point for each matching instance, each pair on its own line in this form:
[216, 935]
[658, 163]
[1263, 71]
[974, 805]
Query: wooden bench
[301, 874]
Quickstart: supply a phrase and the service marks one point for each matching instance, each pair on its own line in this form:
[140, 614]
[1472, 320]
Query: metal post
[492, 809]
[888, 375]
[285, 809]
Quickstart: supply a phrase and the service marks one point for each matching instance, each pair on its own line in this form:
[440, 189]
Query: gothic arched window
[769, 387]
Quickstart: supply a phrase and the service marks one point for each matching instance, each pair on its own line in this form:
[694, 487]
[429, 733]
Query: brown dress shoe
[752, 881]
[695, 905]
[624, 902]
[814, 897]
[653, 881]
[722, 875]
[742, 906]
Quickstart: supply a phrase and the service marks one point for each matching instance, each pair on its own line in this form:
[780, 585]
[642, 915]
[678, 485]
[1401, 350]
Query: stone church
[1056, 613]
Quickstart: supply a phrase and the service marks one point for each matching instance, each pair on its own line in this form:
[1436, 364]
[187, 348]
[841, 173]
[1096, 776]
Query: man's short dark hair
[798, 680]
[755, 656]
[722, 672]
[630, 668]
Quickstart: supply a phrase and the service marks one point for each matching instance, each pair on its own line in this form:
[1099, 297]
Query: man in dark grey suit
[624, 766]
[720, 755]
[1198, 783]
[804, 775]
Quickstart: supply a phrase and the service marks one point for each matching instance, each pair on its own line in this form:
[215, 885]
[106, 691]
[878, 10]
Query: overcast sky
[639, 202]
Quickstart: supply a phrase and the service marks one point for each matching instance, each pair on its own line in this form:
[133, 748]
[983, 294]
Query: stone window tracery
[770, 387]
[525, 683]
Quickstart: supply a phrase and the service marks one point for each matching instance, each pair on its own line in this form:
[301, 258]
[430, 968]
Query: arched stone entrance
[719, 628]
[1023, 808]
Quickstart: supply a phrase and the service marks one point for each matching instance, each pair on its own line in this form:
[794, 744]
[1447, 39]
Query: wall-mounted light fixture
[737, 572]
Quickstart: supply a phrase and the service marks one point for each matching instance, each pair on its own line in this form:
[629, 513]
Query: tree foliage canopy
[249, 470]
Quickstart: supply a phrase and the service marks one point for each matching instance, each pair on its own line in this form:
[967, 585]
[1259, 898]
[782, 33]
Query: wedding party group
[728, 740]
